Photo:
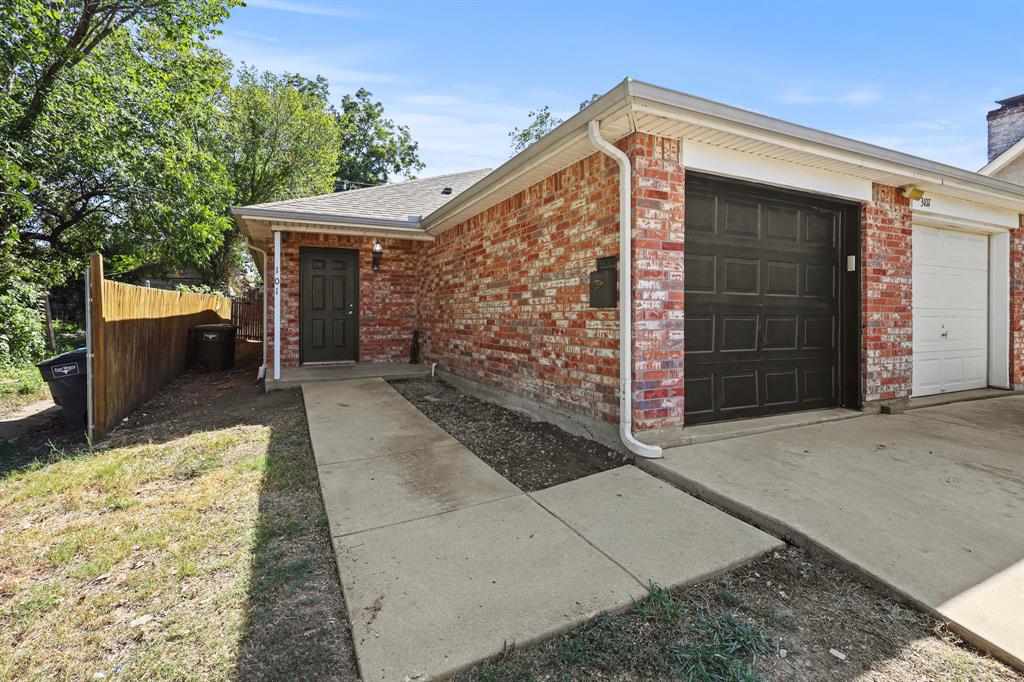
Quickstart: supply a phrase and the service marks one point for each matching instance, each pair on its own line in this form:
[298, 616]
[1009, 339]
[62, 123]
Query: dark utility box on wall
[603, 283]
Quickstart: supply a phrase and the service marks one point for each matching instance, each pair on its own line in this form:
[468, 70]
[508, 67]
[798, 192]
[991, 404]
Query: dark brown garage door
[329, 311]
[763, 301]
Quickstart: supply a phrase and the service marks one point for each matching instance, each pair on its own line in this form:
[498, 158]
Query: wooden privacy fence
[138, 341]
[247, 315]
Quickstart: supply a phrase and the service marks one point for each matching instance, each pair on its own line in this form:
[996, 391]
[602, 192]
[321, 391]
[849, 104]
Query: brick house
[772, 267]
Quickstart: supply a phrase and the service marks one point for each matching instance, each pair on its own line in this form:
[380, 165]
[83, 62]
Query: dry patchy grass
[778, 618]
[192, 546]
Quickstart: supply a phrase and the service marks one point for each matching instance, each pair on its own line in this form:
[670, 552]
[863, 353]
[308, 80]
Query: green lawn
[20, 386]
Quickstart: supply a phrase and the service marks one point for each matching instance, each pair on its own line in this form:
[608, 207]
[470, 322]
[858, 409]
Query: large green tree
[373, 147]
[281, 142]
[110, 133]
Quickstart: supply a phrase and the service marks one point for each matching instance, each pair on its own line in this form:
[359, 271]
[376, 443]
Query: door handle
[945, 332]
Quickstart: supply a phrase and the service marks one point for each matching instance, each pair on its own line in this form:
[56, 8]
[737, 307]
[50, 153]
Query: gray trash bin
[65, 375]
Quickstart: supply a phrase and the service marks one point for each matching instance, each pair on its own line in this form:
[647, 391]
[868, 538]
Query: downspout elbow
[625, 295]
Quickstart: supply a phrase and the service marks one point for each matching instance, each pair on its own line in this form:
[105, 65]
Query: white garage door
[950, 311]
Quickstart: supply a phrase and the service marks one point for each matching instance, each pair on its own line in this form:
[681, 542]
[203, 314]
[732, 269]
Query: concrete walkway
[930, 503]
[443, 561]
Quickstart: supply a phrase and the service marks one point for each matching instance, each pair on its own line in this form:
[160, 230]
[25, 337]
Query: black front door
[764, 293]
[329, 305]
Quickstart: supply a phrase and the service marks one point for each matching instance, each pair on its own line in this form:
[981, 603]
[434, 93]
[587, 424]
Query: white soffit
[741, 165]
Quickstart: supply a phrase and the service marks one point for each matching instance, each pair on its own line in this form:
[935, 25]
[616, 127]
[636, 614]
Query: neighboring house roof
[630, 107]
[399, 205]
[1014, 152]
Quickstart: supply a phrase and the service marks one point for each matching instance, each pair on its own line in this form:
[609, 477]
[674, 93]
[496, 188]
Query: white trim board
[943, 211]
[709, 158]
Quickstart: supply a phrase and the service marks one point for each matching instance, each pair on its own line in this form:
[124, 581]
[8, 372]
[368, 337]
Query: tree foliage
[121, 131]
[108, 131]
[281, 142]
[282, 138]
[373, 147]
[542, 122]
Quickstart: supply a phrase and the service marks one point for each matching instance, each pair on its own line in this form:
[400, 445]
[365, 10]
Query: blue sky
[918, 77]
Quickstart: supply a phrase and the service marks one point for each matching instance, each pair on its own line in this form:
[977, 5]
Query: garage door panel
[821, 228]
[819, 333]
[699, 393]
[950, 294]
[765, 340]
[819, 280]
[783, 224]
[739, 390]
[781, 387]
[700, 212]
[819, 385]
[700, 273]
[780, 333]
[742, 219]
[740, 276]
[782, 279]
[739, 333]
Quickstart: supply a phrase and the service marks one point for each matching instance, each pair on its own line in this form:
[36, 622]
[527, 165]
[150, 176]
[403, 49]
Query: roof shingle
[400, 201]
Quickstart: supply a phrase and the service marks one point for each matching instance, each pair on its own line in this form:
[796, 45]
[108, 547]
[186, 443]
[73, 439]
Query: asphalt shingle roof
[384, 202]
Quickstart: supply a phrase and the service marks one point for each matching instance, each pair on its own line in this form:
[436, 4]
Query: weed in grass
[728, 598]
[660, 636]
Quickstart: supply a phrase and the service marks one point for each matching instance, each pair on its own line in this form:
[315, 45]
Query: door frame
[328, 250]
[849, 352]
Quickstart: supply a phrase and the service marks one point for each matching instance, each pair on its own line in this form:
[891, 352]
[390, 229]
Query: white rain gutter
[277, 305]
[625, 295]
[263, 274]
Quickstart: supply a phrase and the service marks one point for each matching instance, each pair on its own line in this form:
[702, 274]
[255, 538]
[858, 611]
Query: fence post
[98, 347]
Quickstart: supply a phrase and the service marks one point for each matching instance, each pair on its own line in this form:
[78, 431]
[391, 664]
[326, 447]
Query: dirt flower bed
[190, 544]
[785, 617]
[532, 454]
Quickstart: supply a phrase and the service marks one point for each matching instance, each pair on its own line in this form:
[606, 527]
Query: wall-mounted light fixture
[378, 252]
[912, 193]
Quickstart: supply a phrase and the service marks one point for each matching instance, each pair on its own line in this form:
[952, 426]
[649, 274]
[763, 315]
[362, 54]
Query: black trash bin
[65, 374]
[215, 346]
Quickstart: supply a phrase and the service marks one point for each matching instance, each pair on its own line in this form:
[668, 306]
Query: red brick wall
[1017, 305]
[886, 300]
[387, 298]
[658, 202]
[505, 294]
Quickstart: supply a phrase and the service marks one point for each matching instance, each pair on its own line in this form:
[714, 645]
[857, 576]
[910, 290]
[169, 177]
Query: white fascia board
[351, 230]
[943, 211]
[995, 165]
[762, 169]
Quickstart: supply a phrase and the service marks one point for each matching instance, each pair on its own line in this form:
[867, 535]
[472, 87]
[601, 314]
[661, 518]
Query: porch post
[277, 305]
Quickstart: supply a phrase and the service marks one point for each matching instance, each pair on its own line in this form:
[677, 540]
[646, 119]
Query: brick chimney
[1005, 125]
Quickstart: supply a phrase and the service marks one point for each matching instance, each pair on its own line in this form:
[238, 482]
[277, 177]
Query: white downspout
[277, 305]
[263, 274]
[625, 295]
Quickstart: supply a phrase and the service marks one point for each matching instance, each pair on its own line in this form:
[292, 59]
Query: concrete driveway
[930, 503]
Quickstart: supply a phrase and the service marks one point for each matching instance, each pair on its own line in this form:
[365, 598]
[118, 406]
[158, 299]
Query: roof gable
[1014, 152]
